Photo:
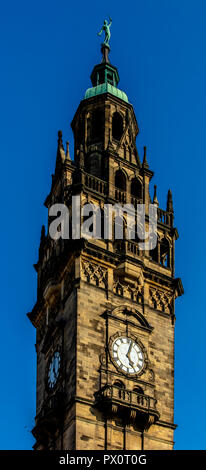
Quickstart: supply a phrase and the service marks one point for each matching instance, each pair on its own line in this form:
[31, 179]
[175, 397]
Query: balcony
[120, 196]
[165, 217]
[130, 405]
[95, 184]
[127, 247]
[123, 197]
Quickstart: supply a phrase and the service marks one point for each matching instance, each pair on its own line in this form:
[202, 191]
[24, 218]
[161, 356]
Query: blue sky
[47, 52]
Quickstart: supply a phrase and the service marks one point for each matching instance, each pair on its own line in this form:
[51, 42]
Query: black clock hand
[129, 349]
[128, 353]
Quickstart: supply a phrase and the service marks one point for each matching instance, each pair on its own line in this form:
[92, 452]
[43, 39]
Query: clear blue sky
[47, 52]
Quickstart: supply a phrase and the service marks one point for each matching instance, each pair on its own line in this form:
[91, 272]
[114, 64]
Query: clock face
[128, 355]
[54, 369]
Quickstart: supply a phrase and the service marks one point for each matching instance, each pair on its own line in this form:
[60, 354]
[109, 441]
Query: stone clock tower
[104, 315]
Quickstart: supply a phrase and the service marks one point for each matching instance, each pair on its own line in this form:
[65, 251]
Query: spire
[145, 163]
[60, 153]
[60, 142]
[155, 200]
[169, 201]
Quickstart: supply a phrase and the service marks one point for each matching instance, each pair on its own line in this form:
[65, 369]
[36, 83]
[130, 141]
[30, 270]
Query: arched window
[119, 227]
[121, 392]
[138, 390]
[120, 184]
[154, 254]
[140, 395]
[97, 125]
[119, 384]
[120, 180]
[164, 253]
[136, 188]
[117, 126]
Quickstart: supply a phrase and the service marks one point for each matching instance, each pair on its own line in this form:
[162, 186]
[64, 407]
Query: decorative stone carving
[132, 293]
[160, 300]
[94, 274]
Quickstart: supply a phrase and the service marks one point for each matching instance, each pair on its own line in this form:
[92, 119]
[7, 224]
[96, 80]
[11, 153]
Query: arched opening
[117, 126]
[97, 125]
[120, 389]
[154, 247]
[154, 254]
[120, 184]
[136, 188]
[119, 227]
[119, 383]
[120, 180]
[139, 393]
[138, 390]
[164, 253]
[132, 231]
[135, 234]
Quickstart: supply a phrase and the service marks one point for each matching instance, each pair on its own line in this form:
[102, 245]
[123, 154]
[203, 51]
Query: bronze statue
[106, 28]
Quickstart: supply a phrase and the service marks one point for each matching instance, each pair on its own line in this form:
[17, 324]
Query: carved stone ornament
[160, 300]
[94, 274]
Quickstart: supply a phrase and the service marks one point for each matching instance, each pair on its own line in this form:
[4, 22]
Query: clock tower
[105, 310]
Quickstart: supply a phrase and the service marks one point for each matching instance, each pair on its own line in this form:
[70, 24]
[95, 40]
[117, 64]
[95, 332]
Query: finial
[145, 163]
[169, 201]
[155, 200]
[67, 150]
[60, 143]
[106, 28]
[60, 153]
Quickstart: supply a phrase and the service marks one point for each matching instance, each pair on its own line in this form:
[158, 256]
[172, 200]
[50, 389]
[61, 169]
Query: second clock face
[128, 355]
[54, 369]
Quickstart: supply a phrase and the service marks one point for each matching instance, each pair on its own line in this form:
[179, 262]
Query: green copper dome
[106, 88]
[105, 78]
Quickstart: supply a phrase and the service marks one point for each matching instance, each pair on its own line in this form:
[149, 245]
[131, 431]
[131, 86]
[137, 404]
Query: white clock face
[128, 355]
[54, 369]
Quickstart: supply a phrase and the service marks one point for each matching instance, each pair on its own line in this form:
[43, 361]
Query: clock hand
[129, 349]
[129, 352]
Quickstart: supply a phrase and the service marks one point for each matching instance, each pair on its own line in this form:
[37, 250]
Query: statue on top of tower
[106, 28]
